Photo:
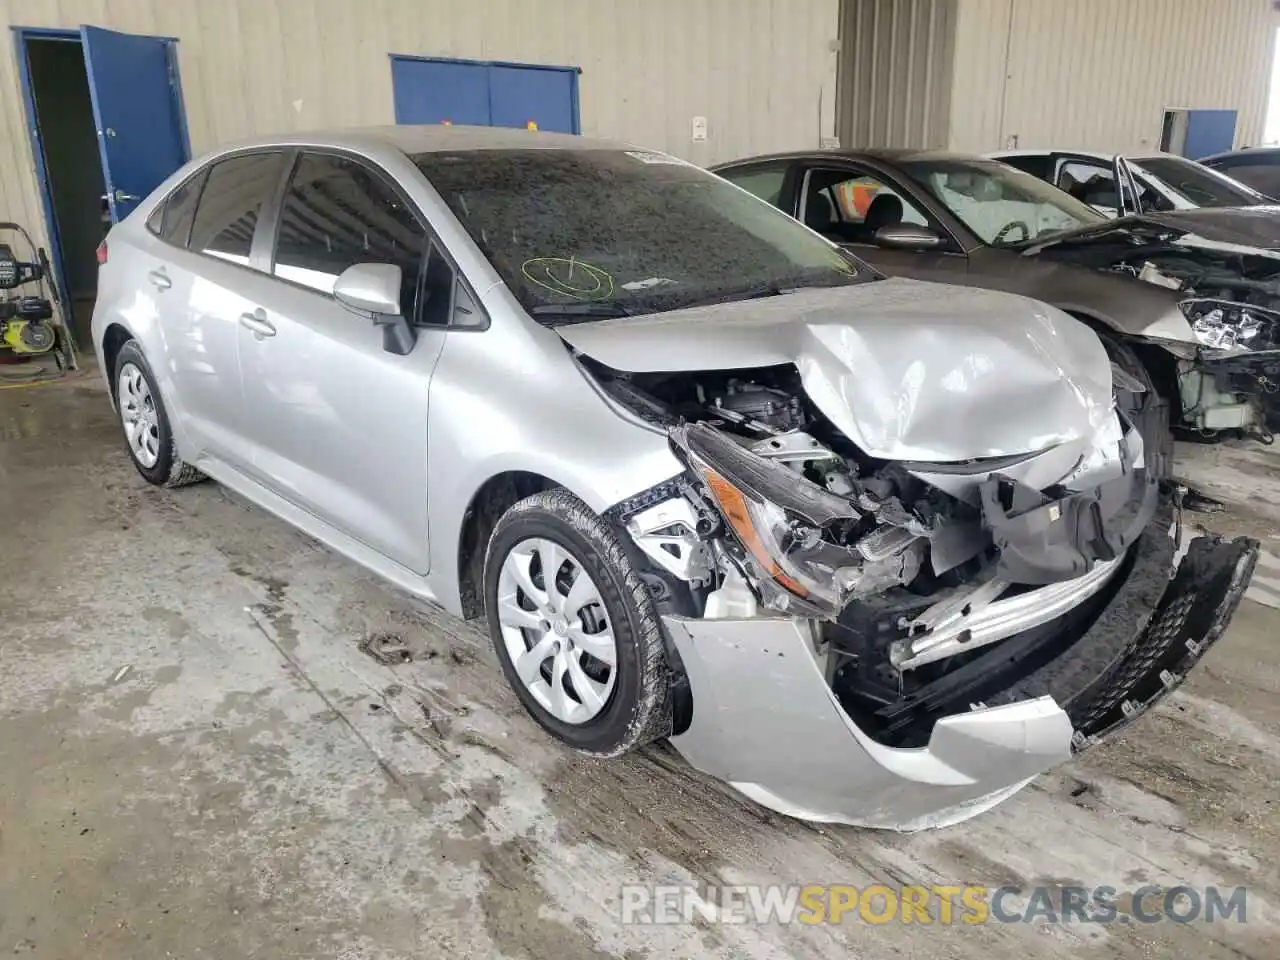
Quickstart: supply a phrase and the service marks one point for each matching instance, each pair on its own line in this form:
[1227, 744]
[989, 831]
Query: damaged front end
[1228, 349]
[901, 643]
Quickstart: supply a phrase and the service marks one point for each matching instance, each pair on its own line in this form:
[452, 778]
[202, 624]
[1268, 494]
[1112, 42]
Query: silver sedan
[872, 551]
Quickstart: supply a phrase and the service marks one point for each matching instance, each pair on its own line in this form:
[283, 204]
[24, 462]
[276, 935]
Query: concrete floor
[197, 760]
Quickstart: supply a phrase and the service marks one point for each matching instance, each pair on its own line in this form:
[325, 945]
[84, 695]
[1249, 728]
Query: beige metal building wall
[762, 72]
[895, 72]
[1099, 74]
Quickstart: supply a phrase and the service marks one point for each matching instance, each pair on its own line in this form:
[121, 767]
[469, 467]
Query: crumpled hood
[907, 370]
[1254, 228]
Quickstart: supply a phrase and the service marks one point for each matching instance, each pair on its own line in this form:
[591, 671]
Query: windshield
[1197, 185]
[1003, 206]
[595, 231]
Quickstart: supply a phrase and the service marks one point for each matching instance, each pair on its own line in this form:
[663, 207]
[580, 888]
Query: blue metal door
[1209, 132]
[545, 96]
[136, 107]
[440, 91]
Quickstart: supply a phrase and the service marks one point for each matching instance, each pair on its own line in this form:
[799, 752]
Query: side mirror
[907, 236]
[374, 288]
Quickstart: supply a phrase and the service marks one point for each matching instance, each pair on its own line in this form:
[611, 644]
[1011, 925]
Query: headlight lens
[775, 514]
[1228, 325]
[760, 526]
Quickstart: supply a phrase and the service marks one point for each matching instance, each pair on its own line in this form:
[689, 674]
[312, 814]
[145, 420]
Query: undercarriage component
[983, 619]
[1208, 409]
[774, 409]
[1043, 539]
[667, 533]
[792, 447]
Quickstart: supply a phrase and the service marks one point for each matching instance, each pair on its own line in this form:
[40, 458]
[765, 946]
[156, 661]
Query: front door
[137, 112]
[850, 204]
[337, 425]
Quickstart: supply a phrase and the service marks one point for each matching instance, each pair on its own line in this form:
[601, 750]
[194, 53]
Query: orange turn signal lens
[733, 504]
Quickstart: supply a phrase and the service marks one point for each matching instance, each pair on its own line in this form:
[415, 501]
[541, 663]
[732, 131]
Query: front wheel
[1151, 411]
[574, 627]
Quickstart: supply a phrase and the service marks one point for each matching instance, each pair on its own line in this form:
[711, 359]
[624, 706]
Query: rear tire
[145, 422]
[550, 627]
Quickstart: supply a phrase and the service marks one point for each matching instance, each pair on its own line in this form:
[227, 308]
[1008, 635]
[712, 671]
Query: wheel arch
[487, 505]
[1160, 364]
[113, 340]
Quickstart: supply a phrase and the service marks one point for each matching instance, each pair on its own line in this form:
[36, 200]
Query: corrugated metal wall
[761, 71]
[895, 72]
[1099, 74]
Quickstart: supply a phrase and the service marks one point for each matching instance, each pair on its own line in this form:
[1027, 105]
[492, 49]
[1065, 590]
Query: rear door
[141, 136]
[769, 180]
[337, 425]
[208, 273]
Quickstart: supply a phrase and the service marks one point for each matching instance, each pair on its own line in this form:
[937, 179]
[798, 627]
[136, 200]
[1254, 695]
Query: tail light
[101, 253]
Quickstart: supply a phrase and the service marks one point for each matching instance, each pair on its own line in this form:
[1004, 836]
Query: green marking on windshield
[569, 277]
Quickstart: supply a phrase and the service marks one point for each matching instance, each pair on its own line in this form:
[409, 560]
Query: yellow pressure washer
[31, 323]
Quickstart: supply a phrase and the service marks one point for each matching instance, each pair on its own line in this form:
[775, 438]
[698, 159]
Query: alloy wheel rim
[138, 415]
[556, 630]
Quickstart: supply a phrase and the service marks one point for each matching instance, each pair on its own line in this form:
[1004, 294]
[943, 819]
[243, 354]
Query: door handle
[257, 322]
[159, 279]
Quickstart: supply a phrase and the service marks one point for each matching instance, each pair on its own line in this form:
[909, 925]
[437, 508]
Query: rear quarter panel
[127, 300]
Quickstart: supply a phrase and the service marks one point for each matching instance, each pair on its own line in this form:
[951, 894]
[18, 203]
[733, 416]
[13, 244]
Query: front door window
[849, 207]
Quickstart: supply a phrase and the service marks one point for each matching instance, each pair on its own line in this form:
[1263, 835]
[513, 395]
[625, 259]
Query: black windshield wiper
[579, 312]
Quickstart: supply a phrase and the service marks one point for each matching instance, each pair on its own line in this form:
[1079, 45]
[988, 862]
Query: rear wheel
[574, 627]
[145, 422]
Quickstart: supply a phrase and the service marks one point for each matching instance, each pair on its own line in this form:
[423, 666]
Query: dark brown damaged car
[1194, 295]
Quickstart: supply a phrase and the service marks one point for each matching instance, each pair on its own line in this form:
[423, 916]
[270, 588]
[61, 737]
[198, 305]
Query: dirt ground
[198, 760]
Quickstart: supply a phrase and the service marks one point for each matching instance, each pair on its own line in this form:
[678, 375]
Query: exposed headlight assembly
[1231, 326]
[776, 515]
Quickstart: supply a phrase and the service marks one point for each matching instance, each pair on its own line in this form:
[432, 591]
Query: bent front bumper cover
[765, 719]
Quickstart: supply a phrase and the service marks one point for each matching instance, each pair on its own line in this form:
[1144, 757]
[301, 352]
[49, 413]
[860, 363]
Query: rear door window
[764, 180]
[230, 204]
[338, 212]
[172, 219]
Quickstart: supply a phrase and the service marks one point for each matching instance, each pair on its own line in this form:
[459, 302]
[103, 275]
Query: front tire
[145, 422]
[574, 627]
[1153, 420]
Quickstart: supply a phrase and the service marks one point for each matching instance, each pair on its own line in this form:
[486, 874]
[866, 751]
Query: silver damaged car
[871, 551]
